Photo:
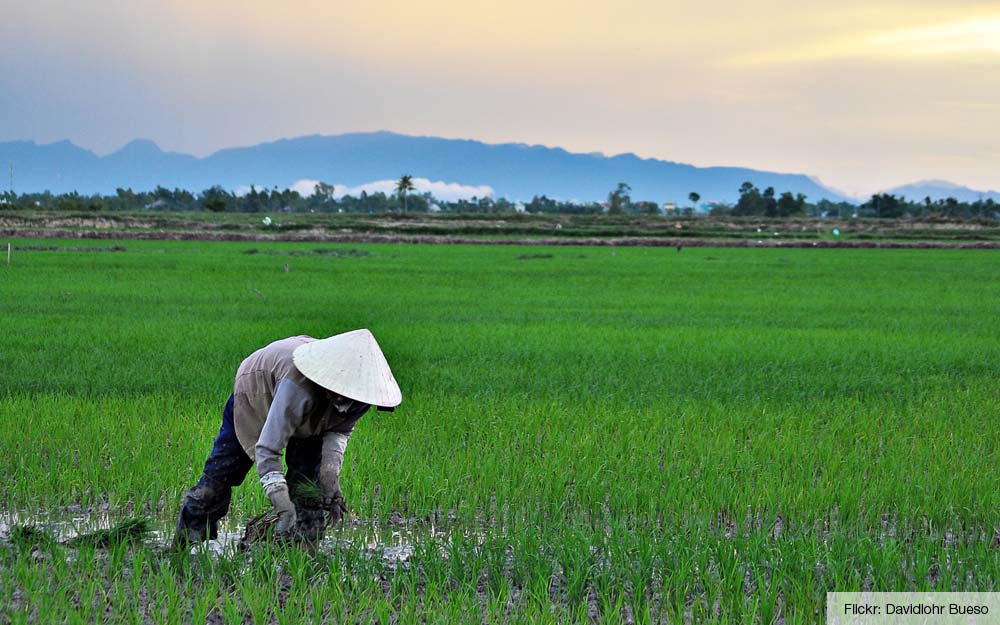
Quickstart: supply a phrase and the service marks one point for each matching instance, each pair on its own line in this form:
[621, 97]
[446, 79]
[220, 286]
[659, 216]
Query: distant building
[669, 208]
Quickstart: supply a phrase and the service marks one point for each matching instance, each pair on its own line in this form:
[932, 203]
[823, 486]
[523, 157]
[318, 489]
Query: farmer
[302, 397]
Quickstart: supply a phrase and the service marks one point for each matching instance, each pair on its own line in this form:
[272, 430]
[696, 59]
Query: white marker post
[8, 254]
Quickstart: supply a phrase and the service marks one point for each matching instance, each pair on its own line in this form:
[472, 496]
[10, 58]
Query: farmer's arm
[335, 440]
[288, 409]
[334, 445]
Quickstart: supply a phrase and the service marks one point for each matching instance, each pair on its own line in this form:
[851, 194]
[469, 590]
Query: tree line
[752, 202]
[766, 203]
[219, 200]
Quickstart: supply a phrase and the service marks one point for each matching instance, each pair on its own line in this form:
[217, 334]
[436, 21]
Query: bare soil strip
[202, 235]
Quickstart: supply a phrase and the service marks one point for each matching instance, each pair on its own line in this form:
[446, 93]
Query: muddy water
[393, 544]
[62, 525]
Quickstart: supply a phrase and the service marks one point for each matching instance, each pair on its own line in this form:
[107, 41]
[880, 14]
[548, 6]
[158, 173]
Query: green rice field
[588, 434]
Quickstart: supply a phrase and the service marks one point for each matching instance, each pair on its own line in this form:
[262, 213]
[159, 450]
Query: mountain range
[513, 170]
[942, 189]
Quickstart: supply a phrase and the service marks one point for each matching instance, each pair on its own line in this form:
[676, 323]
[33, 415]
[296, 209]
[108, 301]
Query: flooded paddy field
[587, 434]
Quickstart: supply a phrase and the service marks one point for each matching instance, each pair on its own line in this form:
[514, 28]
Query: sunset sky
[865, 95]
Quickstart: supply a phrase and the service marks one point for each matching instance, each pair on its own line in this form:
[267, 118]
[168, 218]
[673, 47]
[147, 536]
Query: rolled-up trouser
[227, 466]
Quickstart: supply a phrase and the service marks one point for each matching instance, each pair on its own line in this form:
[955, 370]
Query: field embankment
[516, 229]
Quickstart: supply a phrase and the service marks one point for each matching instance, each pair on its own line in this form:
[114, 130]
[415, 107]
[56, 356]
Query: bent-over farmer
[300, 397]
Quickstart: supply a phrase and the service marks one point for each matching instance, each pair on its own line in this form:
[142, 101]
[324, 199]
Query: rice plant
[716, 436]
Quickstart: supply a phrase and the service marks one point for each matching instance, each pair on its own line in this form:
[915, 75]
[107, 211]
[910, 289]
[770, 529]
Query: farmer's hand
[333, 497]
[278, 494]
[336, 508]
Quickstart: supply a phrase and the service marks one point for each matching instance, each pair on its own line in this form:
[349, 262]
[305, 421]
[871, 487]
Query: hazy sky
[864, 94]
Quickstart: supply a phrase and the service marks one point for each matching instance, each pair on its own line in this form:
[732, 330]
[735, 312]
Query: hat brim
[350, 364]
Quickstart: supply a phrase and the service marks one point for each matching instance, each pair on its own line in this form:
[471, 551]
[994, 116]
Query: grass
[605, 435]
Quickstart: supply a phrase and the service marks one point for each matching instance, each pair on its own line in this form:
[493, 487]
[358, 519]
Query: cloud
[244, 189]
[305, 188]
[980, 35]
[971, 38]
[446, 191]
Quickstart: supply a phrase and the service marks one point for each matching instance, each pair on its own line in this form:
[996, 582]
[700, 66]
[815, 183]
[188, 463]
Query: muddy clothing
[227, 466]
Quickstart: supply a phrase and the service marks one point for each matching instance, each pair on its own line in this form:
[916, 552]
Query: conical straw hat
[351, 364]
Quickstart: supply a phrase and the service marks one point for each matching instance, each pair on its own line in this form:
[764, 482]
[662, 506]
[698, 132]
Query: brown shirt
[273, 401]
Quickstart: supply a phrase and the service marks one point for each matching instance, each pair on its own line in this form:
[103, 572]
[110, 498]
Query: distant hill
[513, 170]
[940, 190]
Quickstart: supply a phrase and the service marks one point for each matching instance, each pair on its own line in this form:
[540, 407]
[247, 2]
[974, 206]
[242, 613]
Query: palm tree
[619, 199]
[403, 186]
[694, 197]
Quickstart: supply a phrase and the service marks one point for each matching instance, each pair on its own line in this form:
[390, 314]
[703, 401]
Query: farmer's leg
[227, 466]
[302, 457]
